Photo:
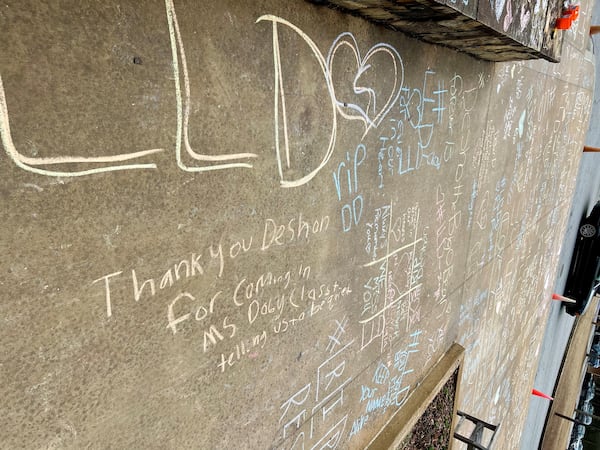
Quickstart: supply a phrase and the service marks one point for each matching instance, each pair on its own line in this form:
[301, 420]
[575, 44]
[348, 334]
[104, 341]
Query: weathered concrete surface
[259, 225]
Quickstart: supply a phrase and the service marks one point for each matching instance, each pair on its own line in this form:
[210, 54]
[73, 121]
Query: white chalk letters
[358, 100]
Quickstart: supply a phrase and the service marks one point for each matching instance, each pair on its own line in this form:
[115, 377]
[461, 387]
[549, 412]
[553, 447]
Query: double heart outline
[370, 118]
[282, 140]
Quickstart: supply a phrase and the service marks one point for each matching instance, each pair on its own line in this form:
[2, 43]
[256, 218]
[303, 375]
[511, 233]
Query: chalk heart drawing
[379, 99]
[525, 18]
[371, 114]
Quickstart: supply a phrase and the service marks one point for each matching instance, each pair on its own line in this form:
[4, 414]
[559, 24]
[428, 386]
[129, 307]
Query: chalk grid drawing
[391, 297]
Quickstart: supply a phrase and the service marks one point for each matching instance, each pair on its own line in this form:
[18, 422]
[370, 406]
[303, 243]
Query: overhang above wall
[493, 30]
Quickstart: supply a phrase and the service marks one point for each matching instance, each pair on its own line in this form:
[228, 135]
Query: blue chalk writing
[345, 180]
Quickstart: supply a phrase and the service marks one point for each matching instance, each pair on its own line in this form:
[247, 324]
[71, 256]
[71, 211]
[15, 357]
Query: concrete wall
[240, 224]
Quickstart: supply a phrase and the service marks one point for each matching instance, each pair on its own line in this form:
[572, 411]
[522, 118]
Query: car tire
[587, 230]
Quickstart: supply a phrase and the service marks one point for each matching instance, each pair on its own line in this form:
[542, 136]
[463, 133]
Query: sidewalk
[558, 430]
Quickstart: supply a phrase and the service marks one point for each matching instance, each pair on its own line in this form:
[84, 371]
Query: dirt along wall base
[398, 427]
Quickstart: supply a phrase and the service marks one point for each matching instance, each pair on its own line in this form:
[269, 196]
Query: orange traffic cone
[562, 299]
[541, 394]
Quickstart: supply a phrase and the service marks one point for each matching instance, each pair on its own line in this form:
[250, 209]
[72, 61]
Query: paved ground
[559, 323]
[558, 430]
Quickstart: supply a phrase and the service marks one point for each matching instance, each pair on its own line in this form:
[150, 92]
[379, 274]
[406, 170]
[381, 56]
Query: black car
[583, 281]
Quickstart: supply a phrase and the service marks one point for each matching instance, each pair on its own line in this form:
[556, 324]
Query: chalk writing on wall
[404, 173]
[345, 179]
[392, 288]
[115, 162]
[371, 115]
[314, 417]
[388, 387]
